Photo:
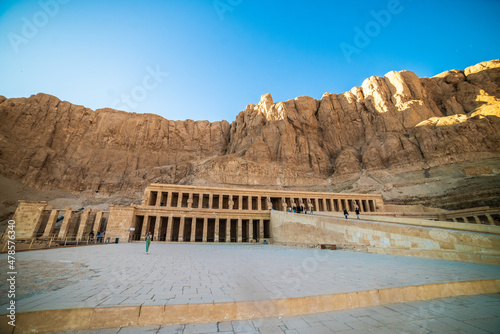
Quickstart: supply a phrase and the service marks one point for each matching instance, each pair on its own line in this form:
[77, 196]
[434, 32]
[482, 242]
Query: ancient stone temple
[207, 214]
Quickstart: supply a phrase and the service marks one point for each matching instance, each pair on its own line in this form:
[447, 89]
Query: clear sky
[205, 59]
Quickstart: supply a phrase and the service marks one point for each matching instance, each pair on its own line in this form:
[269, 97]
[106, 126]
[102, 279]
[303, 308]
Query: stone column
[240, 230]
[283, 204]
[181, 229]
[193, 230]
[83, 224]
[216, 231]
[146, 197]
[221, 198]
[97, 223]
[156, 233]
[230, 202]
[250, 230]
[158, 198]
[49, 229]
[259, 203]
[316, 204]
[145, 227]
[228, 230]
[490, 219]
[454, 220]
[190, 201]
[210, 200]
[240, 202]
[478, 221]
[179, 200]
[200, 201]
[205, 229]
[170, 222]
[261, 229]
[65, 224]
[466, 220]
[169, 199]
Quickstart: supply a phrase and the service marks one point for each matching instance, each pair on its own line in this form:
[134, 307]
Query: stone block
[115, 316]
[53, 321]
[152, 315]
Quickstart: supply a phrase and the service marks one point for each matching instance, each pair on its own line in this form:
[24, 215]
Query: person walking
[357, 212]
[346, 213]
[148, 242]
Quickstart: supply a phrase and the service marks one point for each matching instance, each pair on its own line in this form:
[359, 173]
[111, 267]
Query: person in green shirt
[148, 241]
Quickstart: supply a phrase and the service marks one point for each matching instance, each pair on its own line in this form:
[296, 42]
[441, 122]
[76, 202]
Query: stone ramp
[390, 235]
[119, 285]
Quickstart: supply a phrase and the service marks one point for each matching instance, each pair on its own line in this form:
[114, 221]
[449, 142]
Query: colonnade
[277, 201]
[486, 218]
[69, 223]
[200, 229]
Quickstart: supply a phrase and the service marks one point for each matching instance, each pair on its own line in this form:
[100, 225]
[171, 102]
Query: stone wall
[27, 217]
[386, 237]
[121, 219]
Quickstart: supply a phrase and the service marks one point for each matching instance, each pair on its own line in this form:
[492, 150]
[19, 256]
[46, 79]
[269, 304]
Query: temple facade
[179, 213]
[209, 214]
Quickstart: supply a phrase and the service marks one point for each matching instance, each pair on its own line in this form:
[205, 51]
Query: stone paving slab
[465, 314]
[173, 273]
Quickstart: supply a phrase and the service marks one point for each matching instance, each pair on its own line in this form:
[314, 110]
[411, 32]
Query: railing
[64, 241]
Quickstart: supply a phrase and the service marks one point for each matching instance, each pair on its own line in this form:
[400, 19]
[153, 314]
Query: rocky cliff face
[352, 141]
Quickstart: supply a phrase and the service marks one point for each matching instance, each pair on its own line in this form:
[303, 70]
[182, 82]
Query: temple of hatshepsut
[187, 213]
[181, 213]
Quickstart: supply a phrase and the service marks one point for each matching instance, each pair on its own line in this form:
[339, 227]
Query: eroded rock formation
[397, 123]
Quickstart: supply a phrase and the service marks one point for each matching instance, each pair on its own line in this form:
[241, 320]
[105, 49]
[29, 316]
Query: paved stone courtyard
[172, 273]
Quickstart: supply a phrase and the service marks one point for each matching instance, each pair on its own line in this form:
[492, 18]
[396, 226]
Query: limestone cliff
[362, 140]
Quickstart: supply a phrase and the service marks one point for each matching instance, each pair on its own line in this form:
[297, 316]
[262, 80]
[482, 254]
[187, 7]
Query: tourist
[346, 213]
[357, 212]
[148, 241]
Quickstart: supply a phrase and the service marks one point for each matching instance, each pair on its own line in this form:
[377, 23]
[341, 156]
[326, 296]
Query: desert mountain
[433, 141]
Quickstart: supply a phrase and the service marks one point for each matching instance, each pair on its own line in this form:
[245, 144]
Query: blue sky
[205, 59]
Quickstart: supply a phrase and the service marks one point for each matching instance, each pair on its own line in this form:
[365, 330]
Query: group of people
[299, 209]
[100, 236]
[347, 213]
